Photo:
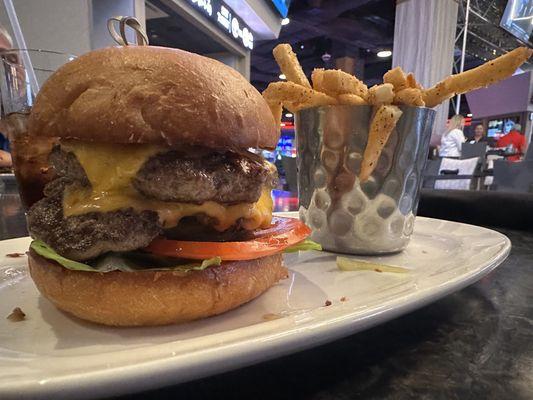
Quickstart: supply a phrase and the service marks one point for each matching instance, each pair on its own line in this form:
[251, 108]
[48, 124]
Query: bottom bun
[154, 297]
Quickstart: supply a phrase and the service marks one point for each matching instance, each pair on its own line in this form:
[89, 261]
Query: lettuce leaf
[47, 252]
[126, 262]
[139, 261]
[303, 246]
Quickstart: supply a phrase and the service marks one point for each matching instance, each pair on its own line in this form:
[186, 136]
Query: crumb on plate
[16, 315]
[14, 255]
[271, 316]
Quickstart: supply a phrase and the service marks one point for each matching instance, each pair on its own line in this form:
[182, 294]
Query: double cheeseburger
[159, 213]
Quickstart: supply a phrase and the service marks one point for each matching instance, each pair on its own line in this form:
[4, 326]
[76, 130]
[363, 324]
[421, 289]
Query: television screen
[518, 19]
[502, 126]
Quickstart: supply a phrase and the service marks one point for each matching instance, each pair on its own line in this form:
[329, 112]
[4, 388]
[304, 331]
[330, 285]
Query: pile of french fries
[335, 87]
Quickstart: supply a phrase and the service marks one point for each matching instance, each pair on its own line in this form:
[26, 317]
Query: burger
[159, 212]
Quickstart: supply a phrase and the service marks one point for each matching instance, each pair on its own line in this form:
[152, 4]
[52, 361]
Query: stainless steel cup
[348, 216]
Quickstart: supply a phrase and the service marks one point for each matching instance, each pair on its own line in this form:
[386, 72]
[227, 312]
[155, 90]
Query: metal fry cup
[347, 216]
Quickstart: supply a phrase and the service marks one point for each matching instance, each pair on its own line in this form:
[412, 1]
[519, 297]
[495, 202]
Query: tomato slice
[283, 232]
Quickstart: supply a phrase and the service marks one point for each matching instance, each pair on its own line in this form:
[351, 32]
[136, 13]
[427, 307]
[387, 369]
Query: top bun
[158, 95]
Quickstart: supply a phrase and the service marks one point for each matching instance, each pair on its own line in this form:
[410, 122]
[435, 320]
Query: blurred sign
[224, 17]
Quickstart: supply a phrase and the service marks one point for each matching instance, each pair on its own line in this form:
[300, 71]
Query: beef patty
[86, 236]
[195, 176]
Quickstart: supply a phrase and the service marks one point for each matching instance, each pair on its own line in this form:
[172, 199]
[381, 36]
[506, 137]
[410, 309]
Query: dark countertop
[474, 344]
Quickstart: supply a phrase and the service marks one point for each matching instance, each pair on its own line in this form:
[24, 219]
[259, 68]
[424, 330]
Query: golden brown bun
[154, 297]
[147, 94]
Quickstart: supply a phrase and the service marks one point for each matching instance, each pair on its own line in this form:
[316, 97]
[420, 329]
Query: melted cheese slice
[110, 169]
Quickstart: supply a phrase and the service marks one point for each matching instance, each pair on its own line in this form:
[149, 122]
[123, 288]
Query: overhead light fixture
[288, 115]
[282, 76]
[302, 47]
[384, 53]
[285, 21]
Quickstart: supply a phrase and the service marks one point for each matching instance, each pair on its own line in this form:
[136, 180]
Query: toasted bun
[146, 94]
[154, 297]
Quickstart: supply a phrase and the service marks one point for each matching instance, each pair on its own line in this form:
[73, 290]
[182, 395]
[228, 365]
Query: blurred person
[453, 138]
[515, 139]
[5, 156]
[479, 134]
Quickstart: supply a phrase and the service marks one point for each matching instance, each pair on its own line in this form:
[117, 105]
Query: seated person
[479, 135]
[516, 139]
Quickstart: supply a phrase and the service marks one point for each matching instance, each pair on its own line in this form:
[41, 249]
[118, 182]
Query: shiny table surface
[474, 344]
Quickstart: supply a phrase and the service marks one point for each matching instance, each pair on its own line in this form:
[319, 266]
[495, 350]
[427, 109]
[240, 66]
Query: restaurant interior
[471, 164]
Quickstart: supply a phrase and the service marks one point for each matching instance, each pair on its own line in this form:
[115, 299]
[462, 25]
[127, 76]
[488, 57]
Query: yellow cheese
[110, 169]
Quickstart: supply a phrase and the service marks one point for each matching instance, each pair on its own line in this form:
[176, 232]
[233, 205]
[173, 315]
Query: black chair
[289, 166]
[471, 150]
[513, 176]
[430, 171]
[529, 153]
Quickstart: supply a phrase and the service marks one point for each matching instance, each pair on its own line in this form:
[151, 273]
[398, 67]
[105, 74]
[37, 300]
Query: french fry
[277, 110]
[411, 81]
[397, 78]
[490, 72]
[296, 97]
[289, 65]
[487, 74]
[381, 127]
[381, 94]
[316, 77]
[437, 94]
[351, 100]
[335, 82]
[410, 96]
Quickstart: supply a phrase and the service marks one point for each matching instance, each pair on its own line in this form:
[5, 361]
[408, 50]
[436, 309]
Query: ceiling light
[288, 115]
[285, 21]
[302, 47]
[384, 53]
[282, 76]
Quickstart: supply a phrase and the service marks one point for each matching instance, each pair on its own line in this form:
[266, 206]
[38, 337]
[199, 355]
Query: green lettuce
[139, 261]
[303, 246]
[126, 262]
[47, 252]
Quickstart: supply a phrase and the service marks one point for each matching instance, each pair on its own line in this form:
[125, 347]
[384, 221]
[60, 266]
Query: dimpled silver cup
[347, 216]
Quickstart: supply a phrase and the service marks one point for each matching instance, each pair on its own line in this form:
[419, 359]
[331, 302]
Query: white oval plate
[53, 355]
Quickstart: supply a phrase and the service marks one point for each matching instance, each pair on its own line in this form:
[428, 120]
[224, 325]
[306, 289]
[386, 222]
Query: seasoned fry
[411, 81]
[381, 94]
[410, 96]
[381, 127]
[277, 110]
[351, 99]
[397, 78]
[296, 97]
[437, 94]
[316, 77]
[336, 82]
[487, 74]
[289, 65]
